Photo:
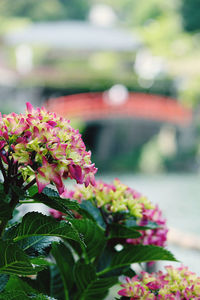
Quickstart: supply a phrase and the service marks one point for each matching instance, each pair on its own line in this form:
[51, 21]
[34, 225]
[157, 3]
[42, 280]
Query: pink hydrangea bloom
[158, 236]
[176, 284]
[44, 147]
[118, 197]
[114, 197]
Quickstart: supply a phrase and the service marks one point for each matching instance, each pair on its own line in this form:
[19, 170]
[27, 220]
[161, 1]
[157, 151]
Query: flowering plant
[74, 256]
[116, 216]
[177, 283]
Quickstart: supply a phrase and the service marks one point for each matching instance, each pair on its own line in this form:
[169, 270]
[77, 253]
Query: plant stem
[14, 201]
[105, 221]
[2, 169]
[104, 271]
[28, 202]
[3, 226]
[66, 294]
[29, 184]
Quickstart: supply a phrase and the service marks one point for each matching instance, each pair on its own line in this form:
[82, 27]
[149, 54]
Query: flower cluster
[176, 284]
[115, 197]
[157, 236]
[42, 146]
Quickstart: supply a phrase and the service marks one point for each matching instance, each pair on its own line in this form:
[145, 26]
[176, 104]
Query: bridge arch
[92, 106]
[116, 130]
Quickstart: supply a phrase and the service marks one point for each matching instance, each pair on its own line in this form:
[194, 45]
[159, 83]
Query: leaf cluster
[71, 259]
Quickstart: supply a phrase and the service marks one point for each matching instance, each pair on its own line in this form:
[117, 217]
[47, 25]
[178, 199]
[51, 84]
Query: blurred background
[127, 74]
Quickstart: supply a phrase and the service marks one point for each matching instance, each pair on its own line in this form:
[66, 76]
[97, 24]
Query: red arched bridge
[92, 106]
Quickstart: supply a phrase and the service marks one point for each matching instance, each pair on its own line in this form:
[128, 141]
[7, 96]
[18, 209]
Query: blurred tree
[45, 10]
[136, 12]
[190, 11]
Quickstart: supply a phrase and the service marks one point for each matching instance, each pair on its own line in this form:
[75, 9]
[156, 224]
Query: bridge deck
[92, 106]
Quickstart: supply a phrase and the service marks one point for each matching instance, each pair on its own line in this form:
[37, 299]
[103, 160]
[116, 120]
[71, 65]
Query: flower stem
[14, 201]
[29, 184]
[28, 202]
[2, 169]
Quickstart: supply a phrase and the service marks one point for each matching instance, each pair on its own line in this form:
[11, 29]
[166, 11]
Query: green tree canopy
[190, 11]
[45, 10]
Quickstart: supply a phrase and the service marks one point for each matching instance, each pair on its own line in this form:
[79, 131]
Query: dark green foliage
[3, 281]
[89, 285]
[71, 259]
[14, 261]
[92, 212]
[120, 231]
[139, 253]
[46, 10]
[37, 245]
[190, 12]
[65, 262]
[48, 282]
[37, 224]
[93, 236]
[52, 199]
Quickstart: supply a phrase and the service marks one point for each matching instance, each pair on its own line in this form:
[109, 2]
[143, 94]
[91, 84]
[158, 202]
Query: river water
[178, 195]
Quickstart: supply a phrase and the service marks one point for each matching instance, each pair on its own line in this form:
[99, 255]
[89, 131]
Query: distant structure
[74, 35]
[117, 128]
[96, 106]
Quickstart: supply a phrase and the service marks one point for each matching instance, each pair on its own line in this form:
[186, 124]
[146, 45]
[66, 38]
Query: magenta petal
[122, 292]
[56, 178]
[61, 189]
[2, 144]
[76, 173]
[29, 107]
[41, 182]
[56, 214]
[52, 123]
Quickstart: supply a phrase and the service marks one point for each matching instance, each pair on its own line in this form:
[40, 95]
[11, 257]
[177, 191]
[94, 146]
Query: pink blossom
[176, 284]
[44, 146]
[158, 236]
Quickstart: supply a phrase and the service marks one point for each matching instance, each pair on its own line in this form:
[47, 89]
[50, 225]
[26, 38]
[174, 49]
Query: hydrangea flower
[176, 284]
[42, 147]
[115, 197]
[118, 197]
[157, 236]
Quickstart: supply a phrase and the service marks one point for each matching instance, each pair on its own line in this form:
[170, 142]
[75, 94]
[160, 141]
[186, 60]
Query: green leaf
[105, 260]
[132, 223]
[65, 261]
[90, 287]
[32, 190]
[120, 231]
[14, 261]
[137, 254]
[41, 297]
[20, 295]
[41, 261]
[37, 245]
[92, 212]
[16, 283]
[48, 282]
[84, 274]
[52, 199]
[37, 224]
[3, 281]
[3, 196]
[5, 211]
[19, 192]
[14, 295]
[93, 235]
[98, 288]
